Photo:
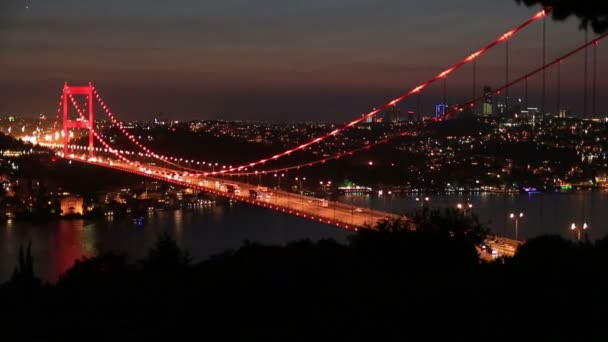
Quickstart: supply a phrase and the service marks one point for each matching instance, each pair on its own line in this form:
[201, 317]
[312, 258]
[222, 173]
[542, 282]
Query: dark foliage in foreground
[390, 284]
[592, 13]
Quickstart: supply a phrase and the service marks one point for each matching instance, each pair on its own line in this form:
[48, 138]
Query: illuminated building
[71, 205]
[502, 107]
[392, 114]
[488, 104]
[602, 179]
[440, 110]
[411, 115]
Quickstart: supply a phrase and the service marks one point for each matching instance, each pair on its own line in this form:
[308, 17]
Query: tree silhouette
[455, 223]
[166, 256]
[23, 275]
[592, 13]
[95, 272]
[428, 241]
[395, 282]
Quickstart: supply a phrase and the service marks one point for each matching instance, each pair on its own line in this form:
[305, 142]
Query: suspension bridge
[219, 182]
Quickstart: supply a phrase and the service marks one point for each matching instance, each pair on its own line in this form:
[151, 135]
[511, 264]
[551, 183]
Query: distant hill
[8, 142]
[465, 126]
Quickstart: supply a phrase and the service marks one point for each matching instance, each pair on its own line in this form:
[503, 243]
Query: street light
[298, 179]
[325, 185]
[467, 207]
[422, 200]
[301, 191]
[515, 217]
[279, 179]
[578, 229]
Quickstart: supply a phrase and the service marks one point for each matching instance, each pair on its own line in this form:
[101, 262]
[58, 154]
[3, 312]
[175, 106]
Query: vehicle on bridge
[264, 194]
[261, 193]
[233, 189]
[174, 175]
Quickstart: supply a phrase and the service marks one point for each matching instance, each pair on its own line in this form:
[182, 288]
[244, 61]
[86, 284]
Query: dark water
[207, 231]
[544, 213]
[202, 232]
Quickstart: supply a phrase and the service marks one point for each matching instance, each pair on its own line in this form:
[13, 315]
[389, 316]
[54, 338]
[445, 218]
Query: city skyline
[319, 60]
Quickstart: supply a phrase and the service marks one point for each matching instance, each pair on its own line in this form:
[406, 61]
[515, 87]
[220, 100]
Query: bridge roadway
[333, 213]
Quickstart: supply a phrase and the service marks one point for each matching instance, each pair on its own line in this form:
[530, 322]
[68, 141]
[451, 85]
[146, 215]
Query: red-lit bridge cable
[391, 103]
[57, 116]
[441, 75]
[97, 136]
[132, 138]
[453, 110]
[456, 108]
[148, 152]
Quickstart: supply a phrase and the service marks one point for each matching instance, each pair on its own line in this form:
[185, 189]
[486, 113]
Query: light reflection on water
[201, 231]
[544, 213]
[210, 230]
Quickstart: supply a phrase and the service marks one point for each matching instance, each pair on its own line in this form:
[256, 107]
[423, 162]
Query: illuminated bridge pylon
[68, 91]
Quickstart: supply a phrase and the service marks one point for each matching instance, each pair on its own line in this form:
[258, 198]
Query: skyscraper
[502, 107]
[440, 110]
[488, 103]
[410, 115]
[392, 114]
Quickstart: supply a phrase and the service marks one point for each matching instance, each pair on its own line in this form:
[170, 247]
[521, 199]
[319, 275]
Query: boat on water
[139, 220]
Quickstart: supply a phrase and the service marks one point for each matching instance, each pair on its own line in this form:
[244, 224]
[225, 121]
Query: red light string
[97, 136]
[474, 56]
[131, 137]
[57, 116]
[405, 133]
[455, 108]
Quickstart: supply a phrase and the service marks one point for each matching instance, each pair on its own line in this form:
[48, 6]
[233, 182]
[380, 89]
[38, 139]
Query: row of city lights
[127, 152]
[95, 149]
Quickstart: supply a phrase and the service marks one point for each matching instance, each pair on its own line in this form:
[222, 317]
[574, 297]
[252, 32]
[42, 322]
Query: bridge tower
[67, 123]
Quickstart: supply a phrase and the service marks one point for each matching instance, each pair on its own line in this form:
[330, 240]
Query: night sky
[275, 59]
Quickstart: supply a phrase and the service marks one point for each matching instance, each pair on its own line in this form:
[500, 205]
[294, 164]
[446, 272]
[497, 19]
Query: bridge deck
[331, 212]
